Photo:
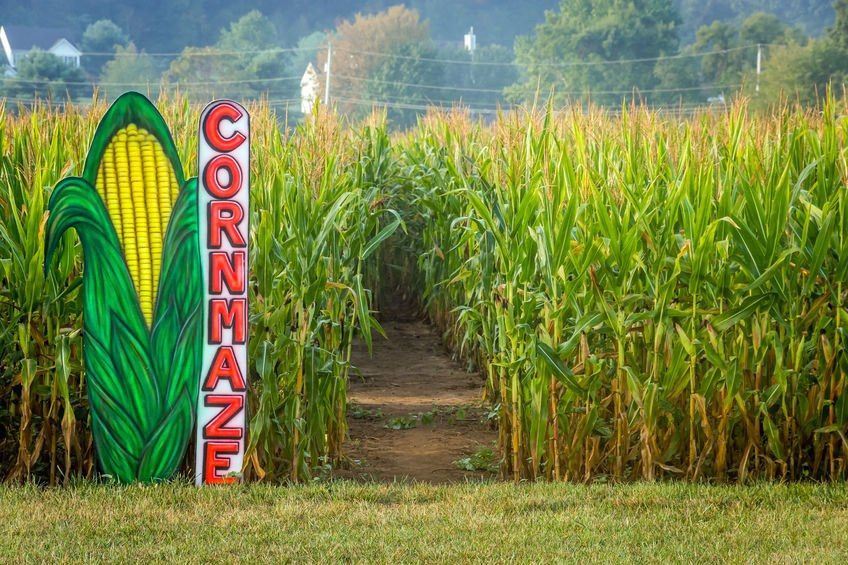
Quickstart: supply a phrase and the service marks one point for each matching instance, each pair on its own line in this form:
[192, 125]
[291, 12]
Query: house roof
[24, 38]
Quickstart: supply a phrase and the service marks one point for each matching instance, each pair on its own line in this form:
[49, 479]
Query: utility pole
[327, 70]
[759, 64]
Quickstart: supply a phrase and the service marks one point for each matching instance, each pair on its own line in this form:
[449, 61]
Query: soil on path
[413, 412]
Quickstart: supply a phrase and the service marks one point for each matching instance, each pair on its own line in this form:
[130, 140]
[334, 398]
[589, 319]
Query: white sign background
[223, 472]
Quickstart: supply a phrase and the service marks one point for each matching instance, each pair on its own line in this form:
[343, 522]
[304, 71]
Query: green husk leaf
[167, 445]
[176, 340]
[131, 108]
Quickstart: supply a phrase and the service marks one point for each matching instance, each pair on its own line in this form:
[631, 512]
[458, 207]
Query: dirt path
[413, 412]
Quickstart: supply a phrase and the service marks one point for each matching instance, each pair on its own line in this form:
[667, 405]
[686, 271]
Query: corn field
[644, 297]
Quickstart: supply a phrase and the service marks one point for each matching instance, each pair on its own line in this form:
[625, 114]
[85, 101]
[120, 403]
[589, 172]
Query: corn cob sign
[140, 223]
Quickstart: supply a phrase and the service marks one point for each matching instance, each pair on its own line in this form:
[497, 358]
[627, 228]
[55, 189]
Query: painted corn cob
[136, 217]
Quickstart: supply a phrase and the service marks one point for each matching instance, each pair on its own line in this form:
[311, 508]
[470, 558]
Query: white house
[17, 41]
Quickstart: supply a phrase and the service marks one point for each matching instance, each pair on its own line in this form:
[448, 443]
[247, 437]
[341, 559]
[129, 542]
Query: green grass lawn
[390, 523]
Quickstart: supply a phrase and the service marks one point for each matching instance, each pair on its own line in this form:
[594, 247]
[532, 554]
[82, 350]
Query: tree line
[605, 52]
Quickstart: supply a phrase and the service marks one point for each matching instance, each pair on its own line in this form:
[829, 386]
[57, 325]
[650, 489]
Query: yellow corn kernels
[137, 183]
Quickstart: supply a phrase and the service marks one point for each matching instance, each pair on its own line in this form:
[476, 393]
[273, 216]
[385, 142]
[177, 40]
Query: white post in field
[309, 89]
[470, 41]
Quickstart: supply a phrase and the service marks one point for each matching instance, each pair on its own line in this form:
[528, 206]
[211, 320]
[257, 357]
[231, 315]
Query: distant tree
[101, 38]
[308, 48]
[245, 62]
[695, 14]
[722, 58]
[255, 38]
[355, 41]
[250, 33]
[803, 73]
[761, 27]
[496, 67]
[811, 16]
[678, 81]
[130, 70]
[171, 25]
[496, 22]
[43, 75]
[484, 77]
[393, 81]
[838, 33]
[574, 51]
[167, 25]
[196, 71]
[724, 63]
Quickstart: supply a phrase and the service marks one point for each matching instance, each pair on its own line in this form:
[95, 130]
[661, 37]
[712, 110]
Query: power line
[673, 110]
[677, 109]
[31, 102]
[407, 100]
[424, 99]
[459, 102]
[552, 64]
[161, 83]
[638, 90]
[86, 103]
[403, 106]
[210, 52]
[203, 52]
[500, 91]
[437, 87]
[394, 98]
[267, 80]
[283, 102]
[178, 84]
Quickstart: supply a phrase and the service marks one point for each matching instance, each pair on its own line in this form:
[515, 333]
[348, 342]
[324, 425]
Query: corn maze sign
[164, 291]
[224, 180]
